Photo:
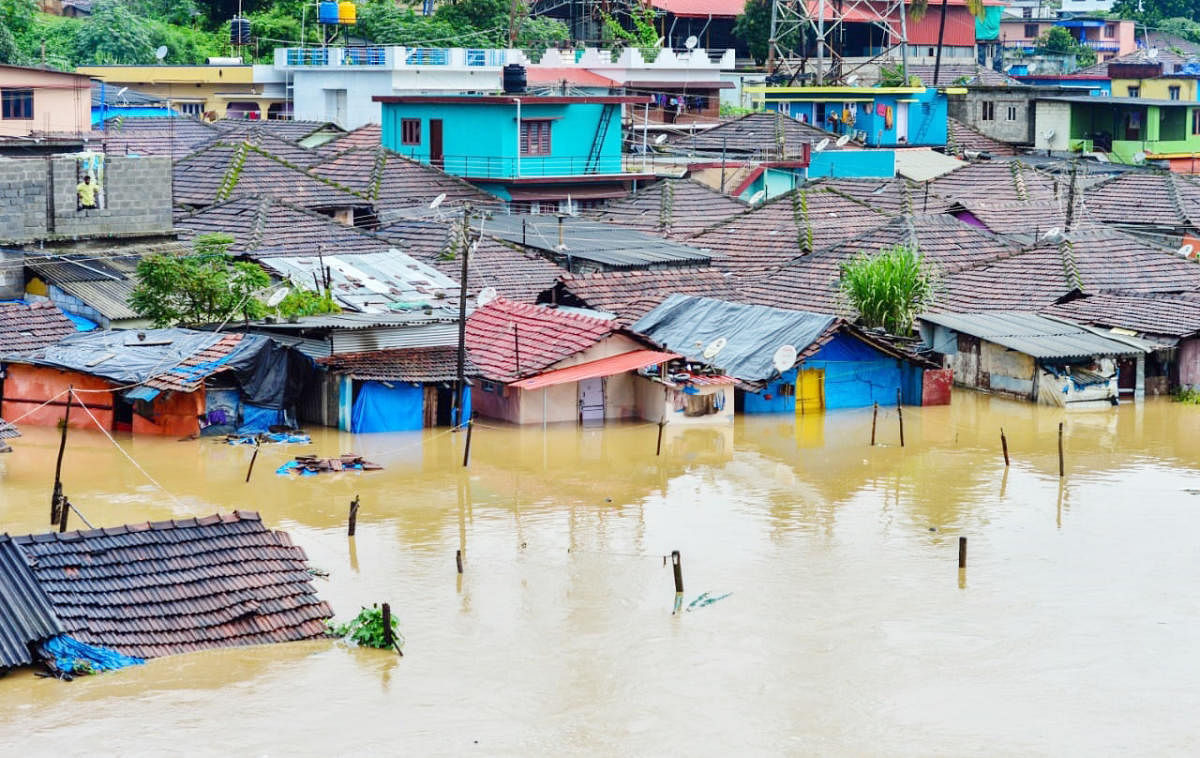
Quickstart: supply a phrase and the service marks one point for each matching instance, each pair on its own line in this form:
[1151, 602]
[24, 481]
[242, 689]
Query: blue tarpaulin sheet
[256, 419]
[70, 656]
[379, 408]
[142, 393]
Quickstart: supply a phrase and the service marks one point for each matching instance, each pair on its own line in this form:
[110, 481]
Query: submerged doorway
[810, 391]
[591, 401]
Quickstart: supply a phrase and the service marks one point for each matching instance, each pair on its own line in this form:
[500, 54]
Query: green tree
[17, 15]
[890, 288]
[115, 34]
[540, 33]
[754, 28]
[488, 18]
[1058, 40]
[1180, 27]
[1151, 12]
[383, 22]
[642, 34]
[204, 286]
[9, 52]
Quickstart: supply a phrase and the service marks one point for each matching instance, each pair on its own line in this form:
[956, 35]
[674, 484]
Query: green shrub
[366, 629]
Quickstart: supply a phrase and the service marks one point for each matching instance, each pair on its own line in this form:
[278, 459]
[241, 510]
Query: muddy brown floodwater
[849, 630]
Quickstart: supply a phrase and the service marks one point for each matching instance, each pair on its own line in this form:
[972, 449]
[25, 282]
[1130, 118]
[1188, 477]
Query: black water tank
[514, 79]
[239, 31]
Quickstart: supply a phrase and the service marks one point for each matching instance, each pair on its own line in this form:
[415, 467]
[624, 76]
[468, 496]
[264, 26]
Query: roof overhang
[614, 364]
[512, 99]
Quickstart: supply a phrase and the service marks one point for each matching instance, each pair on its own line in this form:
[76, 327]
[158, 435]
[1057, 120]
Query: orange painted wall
[175, 415]
[39, 383]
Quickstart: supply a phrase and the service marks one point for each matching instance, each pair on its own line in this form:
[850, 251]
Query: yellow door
[810, 391]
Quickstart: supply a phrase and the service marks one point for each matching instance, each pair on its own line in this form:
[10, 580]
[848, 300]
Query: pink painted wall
[62, 103]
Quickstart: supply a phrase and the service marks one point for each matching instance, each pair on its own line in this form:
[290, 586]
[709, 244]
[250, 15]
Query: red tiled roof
[406, 364]
[1147, 314]
[544, 335]
[701, 8]
[189, 375]
[613, 364]
[580, 77]
[675, 208]
[167, 587]
[28, 327]
[632, 294]
[963, 137]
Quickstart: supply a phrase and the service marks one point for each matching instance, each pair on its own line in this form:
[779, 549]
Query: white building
[337, 83]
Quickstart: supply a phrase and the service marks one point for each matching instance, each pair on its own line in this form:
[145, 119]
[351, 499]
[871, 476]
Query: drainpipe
[518, 101]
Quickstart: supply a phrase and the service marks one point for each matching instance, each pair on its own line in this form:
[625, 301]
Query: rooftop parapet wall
[38, 201]
[398, 57]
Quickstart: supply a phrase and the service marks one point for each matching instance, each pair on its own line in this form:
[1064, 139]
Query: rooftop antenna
[660, 139]
[485, 296]
[1186, 251]
[277, 296]
[842, 140]
[714, 347]
[784, 358]
[691, 42]
[437, 201]
[824, 143]
[161, 52]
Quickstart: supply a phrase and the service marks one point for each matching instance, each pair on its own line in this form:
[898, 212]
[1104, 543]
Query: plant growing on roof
[300, 302]
[203, 286]
[366, 629]
[887, 290]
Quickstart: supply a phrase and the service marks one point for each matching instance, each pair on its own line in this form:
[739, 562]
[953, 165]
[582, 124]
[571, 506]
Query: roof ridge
[532, 309]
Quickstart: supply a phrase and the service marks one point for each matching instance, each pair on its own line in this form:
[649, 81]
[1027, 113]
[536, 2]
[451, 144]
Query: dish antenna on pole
[691, 42]
[485, 296]
[660, 139]
[1139, 157]
[784, 358]
[824, 143]
[437, 201]
[714, 347]
[277, 296]
[842, 140]
[1186, 251]
[161, 52]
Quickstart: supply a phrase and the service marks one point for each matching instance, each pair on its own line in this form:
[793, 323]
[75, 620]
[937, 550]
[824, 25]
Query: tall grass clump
[888, 289]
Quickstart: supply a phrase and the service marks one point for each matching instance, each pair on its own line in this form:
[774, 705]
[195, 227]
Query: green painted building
[1129, 130]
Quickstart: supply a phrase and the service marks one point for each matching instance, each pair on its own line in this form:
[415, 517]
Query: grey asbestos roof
[607, 244]
[368, 282]
[1034, 335]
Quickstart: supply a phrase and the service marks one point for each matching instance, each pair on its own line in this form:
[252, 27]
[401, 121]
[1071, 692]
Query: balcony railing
[308, 56]
[364, 56]
[528, 166]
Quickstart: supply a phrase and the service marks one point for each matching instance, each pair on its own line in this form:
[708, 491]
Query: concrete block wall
[137, 199]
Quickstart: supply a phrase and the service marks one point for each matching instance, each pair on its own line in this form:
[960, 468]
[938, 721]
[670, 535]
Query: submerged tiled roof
[408, 364]
[962, 137]
[1140, 199]
[632, 294]
[810, 282]
[28, 327]
[1161, 315]
[766, 132]
[678, 208]
[1093, 259]
[169, 587]
[190, 374]
[544, 335]
[221, 171]
[783, 228]
[391, 181]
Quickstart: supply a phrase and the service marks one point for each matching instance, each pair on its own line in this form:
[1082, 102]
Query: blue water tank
[327, 13]
[239, 31]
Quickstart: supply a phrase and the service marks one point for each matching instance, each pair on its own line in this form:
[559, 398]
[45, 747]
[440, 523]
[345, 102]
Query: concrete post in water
[1061, 470]
[252, 459]
[458, 560]
[467, 449]
[677, 568]
[962, 552]
[64, 510]
[900, 416]
[388, 639]
[353, 523]
[1004, 446]
[874, 419]
[56, 495]
[658, 449]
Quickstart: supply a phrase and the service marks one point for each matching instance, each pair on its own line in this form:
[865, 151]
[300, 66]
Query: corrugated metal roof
[26, 614]
[606, 244]
[349, 320]
[109, 299]
[922, 165]
[368, 282]
[1034, 335]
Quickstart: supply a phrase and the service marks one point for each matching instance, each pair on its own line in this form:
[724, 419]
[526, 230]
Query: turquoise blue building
[533, 151]
[875, 116]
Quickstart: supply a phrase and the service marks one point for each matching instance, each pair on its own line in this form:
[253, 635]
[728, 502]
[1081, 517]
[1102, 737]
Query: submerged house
[788, 361]
[154, 589]
[175, 382]
[1049, 360]
[540, 364]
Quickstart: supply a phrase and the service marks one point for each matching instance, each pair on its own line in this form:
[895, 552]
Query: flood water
[849, 629]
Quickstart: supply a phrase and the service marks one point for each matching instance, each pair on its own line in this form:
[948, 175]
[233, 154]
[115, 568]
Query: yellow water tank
[347, 13]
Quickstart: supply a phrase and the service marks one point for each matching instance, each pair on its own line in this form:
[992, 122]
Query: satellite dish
[1051, 233]
[851, 79]
[1050, 134]
[824, 143]
[714, 347]
[485, 296]
[1186, 251]
[161, 52]
[842, 140]
[437, 201]
[757, 198]
[784, 358]
[1033, 66]
[1152, 52]
[277, 297]
[660, 139]
[1139, 157]
[691, 42]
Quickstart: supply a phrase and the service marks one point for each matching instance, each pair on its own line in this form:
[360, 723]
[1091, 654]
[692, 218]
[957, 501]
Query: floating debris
[706, 599]
[310, 465]
[295, 437]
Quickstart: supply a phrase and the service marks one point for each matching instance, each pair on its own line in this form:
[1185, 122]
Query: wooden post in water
[64, 511]
[962, 552]
[56, 495]
[874, 419]
[353, 517]
[1004, 446]
[900, 416]
[467, 449]
[1061, 469]
[658, 449]
[388, 639]
[252, 459]
[458, 560]
[677, 568]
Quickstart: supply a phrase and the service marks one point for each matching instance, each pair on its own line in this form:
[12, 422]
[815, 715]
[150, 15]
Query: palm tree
[918, 11]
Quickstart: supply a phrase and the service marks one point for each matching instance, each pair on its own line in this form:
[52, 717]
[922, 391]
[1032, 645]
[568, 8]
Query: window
[1173, 92]
[1196, 121]
[488, 386]
[1012, 113]
[191, 110]
[410, 131]
[1135, 91]
[1110, 31]
[535, 137]
[17, 103]
[1027, 12]
[989, 111]
[1031, 31]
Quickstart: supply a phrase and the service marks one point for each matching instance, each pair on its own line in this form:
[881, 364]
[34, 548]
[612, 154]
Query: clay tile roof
[175, 137]
[178, 586]
[28, 327]
[1162, 315]
[1145, 199]
[285, 150]
[407, 364]
[189, 375]
[810, 282]
[966, 73]
[962, 137]
[677, 208]
[545, 336]
[632, 294]
[369, 135]
[994, 181]
[890, 196]
[391, 181]
[579, 77]
[286, 129]
[780, 230]
[766, 132]
[1093, 259]
[1008, 217]
[221, 171]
